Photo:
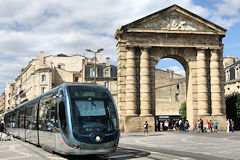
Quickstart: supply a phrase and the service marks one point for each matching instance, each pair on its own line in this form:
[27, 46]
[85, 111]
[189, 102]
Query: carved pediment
[173, 21]
[174, 18]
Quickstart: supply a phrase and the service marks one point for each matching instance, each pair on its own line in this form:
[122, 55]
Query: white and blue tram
[71, 119]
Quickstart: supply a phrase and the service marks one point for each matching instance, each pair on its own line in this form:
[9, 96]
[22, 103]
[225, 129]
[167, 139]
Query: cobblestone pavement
[138, 146]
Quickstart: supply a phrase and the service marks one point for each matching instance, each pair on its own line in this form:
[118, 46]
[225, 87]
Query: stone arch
[175, 33]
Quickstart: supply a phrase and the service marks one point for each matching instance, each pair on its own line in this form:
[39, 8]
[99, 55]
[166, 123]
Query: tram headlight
[98, 138]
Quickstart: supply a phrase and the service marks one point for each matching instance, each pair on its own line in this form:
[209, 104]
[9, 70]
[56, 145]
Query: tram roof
[66, 84]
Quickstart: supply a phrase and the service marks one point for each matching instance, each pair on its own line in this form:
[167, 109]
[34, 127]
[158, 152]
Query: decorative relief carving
[174, 21]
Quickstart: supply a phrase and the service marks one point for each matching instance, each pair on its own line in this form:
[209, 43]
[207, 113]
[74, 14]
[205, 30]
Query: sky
[69, 27]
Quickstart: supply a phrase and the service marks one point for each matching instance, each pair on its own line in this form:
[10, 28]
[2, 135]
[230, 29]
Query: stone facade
[232, 75]
[2, 104]
[106, 75]
[41, 75]
[46, 72]
[170, 33]
[170, 93]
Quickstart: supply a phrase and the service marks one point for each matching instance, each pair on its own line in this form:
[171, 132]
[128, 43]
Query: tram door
[47, 113]
[61, 122]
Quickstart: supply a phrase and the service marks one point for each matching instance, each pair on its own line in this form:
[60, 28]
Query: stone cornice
[172, 32]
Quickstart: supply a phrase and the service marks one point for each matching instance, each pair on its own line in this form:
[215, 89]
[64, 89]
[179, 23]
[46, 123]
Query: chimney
[41, 58]
[100, 58]
[107, 61]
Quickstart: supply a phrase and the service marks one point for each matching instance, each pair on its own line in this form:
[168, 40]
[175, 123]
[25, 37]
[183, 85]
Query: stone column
[215, 82]
[202, 90]
[145, 88]
[121, 77]
[131, 106]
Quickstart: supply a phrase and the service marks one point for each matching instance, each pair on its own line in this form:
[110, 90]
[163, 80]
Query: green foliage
[233, 107]
[183, 110]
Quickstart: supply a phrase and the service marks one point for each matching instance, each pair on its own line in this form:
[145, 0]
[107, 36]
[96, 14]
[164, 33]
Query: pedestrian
[177, 126]
[1, 129]
[232, 125]
[207, 122]
[227, 125]
[159, 125]
[186, 125]
[180, 124]
[146, 127]
[211, 125]
[156, 125]
[166, 125]
[216, 126]
[201, 124]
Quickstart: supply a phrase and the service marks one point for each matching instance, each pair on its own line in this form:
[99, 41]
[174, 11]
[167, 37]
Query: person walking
[216, 126]
[166, 124]
[207, 122]
[1, 129]
[146, 127]
[198, 126]
[211, 125]
[232, 125]
[227, 125]
[201, 124]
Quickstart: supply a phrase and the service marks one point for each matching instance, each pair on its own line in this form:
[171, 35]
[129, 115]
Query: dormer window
[92, 73]
[107, 73]
[229, 91]
[107, 85]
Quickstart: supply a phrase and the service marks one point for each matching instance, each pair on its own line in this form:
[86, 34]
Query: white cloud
[226, 13]
[69, 27]
[177, 70]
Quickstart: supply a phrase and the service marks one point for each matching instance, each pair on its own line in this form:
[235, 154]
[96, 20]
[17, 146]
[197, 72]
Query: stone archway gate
[176, 33]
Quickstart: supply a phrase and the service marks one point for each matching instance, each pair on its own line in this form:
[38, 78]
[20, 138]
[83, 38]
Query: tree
[182, 110]
[233, 108]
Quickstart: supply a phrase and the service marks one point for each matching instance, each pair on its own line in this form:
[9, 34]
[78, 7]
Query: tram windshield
[92, 110]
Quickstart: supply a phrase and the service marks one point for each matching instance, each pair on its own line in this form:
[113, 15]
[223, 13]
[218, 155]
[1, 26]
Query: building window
[59, 66]
[177, 97]
[178, 86]
[106, 73]
[76, 79]
[107, 85]
[43, 78]
[229, 92]
[92, 73]
[43, 89]
[238, 89]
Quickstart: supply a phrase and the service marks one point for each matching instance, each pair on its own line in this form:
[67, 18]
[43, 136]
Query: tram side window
[29, 111]
[41, 116]
[34, 117]
[7, 121]
[62, 117]
[14, 120]
[47, 115]
[21, 119]
[113, 115]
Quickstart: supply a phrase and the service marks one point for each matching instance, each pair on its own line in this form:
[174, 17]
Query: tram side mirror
[59, 98]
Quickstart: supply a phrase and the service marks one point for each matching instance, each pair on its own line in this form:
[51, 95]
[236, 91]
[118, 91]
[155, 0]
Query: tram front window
[92, 110]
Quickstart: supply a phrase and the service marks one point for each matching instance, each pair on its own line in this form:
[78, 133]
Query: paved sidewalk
[192, 145]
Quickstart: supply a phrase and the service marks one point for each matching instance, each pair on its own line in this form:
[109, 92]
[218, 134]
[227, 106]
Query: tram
[71, 119]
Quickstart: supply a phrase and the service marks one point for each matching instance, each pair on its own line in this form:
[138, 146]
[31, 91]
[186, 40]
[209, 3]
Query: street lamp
[98, 51]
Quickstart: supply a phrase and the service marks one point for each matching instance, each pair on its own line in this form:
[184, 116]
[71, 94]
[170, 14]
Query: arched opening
[170, 91]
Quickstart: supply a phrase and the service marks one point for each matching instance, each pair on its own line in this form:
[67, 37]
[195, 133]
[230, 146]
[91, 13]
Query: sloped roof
[173, 18]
